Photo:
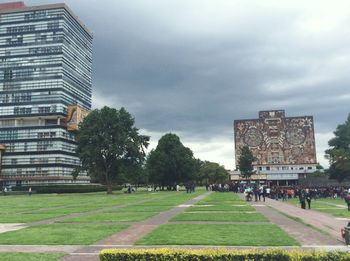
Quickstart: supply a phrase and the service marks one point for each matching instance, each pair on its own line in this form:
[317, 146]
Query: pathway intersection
[312, 229]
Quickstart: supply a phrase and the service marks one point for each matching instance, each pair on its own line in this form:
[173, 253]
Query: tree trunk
[109, 188]
[109, 184]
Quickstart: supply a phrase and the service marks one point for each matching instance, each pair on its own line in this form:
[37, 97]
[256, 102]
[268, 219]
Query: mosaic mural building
[284, 147]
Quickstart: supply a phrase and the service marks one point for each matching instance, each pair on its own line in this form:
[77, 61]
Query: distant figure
[308, 199]
[129, 189]
[347, 200]
[268, 191]
[264, 193]
[30, 191]
[5, 191]
[302, 200]
[177, 188]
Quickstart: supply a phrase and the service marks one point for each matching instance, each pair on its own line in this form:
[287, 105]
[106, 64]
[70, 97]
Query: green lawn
[211, 234]
[25, 218]
[24, 209]
[60, 234]
[30, 256]
[113, 217]
[222, 216]
[144, 208]
[238, 207]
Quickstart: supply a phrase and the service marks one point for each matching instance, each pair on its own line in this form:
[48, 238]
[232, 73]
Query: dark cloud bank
[195, 66]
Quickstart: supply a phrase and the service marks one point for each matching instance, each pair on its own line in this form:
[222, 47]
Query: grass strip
[237, 217]
[60, 234]
[213, 234]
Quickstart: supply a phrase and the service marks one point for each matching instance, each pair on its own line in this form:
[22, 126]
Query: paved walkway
[308, 227]
[11, 227]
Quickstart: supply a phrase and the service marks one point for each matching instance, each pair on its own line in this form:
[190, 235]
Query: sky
[191, 67]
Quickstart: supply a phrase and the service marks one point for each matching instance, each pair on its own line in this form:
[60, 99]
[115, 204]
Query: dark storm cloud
[195, 66]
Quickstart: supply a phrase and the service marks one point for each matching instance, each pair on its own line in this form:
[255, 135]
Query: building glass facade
[45, 67]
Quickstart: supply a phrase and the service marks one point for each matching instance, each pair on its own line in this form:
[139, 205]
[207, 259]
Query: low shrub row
[66, 188]
[165, 254]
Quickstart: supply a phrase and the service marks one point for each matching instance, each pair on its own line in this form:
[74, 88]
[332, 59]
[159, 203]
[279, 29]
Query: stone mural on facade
[276, 139]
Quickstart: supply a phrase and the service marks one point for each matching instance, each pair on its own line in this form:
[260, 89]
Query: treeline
[112, 151]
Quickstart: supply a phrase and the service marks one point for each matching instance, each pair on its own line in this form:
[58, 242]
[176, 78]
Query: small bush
[66, 188]
[165, 254]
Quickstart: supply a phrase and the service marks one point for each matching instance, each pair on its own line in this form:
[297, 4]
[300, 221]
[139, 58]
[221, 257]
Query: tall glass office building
[45, 89]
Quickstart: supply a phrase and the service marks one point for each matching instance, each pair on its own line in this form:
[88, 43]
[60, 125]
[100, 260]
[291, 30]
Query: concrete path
[11, 227]
[323, 221]
[40, 249]
[308, 227]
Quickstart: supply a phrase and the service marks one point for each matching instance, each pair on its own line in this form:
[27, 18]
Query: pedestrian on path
[302, 199]
[347, 200]
[308, 199]
[264, 193]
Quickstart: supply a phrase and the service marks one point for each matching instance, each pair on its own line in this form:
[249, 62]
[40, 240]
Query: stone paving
[11, 227]
[322, 221]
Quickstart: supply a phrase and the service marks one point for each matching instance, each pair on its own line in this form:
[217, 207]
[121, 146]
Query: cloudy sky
[192, 67]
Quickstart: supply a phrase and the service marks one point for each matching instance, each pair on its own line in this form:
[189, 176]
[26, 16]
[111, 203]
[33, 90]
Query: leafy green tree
[245, 163]
[211, 172]
[108, 143]
[171, 162]
[339, 153]
[136, 175]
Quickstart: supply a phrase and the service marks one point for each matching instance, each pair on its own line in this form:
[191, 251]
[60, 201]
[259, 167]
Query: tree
[108, 143]
[171, 162]
[245, 163]
[136, 175]
[211, 172]
[339, 153]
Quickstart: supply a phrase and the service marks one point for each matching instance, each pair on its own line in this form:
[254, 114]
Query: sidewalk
[308, 227]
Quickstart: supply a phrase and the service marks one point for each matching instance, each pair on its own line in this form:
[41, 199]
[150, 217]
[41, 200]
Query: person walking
[256, 193]
[264, 193]
[308, 199]
[30, 191]
[347, 200]
[302, 199]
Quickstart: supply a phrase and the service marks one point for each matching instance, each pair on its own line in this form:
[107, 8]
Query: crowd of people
[305, 194]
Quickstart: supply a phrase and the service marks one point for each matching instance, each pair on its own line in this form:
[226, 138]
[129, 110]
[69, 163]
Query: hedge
[166, 254]
[66, 188]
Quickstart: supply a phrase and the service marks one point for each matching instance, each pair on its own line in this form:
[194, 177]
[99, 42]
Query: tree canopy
[339, 153]
[171, 162]
[108, 143]
[245, 163]
[211, 173]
